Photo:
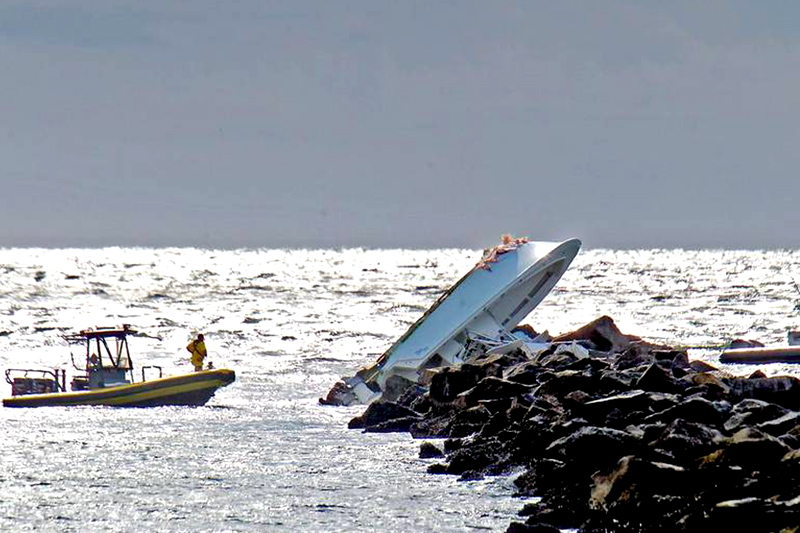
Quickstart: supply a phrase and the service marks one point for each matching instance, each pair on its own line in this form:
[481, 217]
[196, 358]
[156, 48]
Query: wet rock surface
[615, 435]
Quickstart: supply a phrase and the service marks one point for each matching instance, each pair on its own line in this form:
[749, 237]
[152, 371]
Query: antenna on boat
[797, 290]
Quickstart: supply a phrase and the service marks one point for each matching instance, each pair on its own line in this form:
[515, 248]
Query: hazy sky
[400, 123]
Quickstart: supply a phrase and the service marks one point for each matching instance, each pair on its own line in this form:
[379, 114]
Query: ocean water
[263, 455]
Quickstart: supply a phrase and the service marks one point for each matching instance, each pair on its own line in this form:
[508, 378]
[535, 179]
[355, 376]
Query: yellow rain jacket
[198, 351]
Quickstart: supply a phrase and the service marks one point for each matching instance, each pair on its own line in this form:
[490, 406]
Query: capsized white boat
[481, 308]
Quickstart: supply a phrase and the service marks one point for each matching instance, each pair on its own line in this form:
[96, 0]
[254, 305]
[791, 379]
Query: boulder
[414, 397]
[686, 441]
[379, 412]
[750, 449]
[743, 343]
[646, 432]
[474, 415]
[537, 475]
[590, 365]
[752, 412]
[791, 440]
[458, 430]
[450, 382]
[529, 332]
[696, 409]
[557, 361]
[432, 426]
[701, 366]
[596, 411]
[707, 386]
[395, 386]
[495, 364]
[781, 390]
[563, 489]
[677, 358]
[759, 515]
[635, 356]
[476, 458]
[526, 373]
[437, 468]
[615, 382]
[575, 400]
[517, 412]
[395, 425]
[640, 494]
[603, 333]
[659, 379]
[595, 446]
[781, 425]
[785, 483]
[498, 423]
[453, 444]
[498, 406]
[518, 527]
[472, 475]
[566, 381]
[706, 379]
[428, 450]
[492, 388]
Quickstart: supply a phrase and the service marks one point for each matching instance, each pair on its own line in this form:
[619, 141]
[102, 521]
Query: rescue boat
[106, 377]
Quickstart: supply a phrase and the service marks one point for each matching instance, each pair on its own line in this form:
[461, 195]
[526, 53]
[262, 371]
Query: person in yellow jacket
[198, 350]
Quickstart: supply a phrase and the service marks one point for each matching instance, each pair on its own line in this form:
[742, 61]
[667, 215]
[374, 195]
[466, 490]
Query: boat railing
[42, 381]
[160, 372]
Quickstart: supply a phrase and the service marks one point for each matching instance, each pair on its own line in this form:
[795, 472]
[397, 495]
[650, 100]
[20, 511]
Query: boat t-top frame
[104, 365]
[102, 356]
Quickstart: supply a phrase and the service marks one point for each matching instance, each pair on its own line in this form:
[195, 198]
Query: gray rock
[492, 388]
[596, 445]
[517, 527]
[781, 425]
[603, 333]
[695, 409]
[781, 390]
[380, 412]
[395, 386]
[630, 487]
[749, 448]
[686, 441]
[428, 450]
[701, 366]
[526, 373]
[395, 425]
[596, 411]
[450, 382]
[659, 379]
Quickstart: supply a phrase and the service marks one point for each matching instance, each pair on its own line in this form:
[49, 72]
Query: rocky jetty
[613, 434]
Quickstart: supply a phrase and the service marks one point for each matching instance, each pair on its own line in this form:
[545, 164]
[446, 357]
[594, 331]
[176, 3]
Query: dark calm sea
[263, 455]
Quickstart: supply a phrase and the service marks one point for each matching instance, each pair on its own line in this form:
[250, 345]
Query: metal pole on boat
[130, 361]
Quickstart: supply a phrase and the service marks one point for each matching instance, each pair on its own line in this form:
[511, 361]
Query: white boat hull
[484, 305]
